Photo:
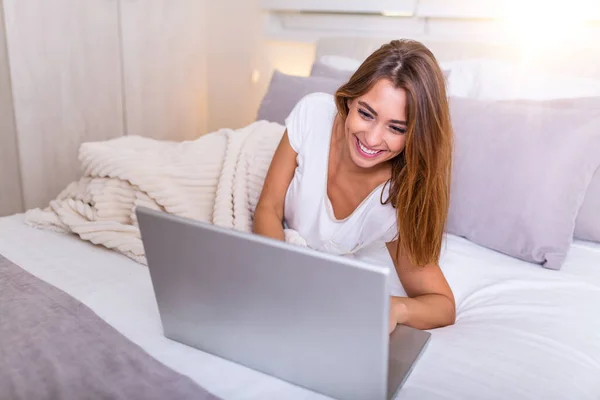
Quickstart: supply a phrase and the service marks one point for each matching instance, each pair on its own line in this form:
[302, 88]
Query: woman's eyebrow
[368, 107]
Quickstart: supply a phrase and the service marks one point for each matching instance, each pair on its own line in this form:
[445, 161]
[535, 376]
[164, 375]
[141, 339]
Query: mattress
[522, 331]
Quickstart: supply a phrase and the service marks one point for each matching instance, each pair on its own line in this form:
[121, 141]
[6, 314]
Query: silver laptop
[312, 319]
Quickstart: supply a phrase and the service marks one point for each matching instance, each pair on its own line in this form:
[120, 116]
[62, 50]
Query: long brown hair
[420, 182]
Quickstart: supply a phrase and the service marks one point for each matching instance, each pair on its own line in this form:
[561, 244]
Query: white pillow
[463, 80]
[501, 80]
[340, 62]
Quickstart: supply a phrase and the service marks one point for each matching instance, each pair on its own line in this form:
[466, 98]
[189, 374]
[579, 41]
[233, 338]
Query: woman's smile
[366, 151]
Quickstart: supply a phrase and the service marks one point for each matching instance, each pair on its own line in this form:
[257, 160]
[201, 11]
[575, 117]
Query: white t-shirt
[308, 209]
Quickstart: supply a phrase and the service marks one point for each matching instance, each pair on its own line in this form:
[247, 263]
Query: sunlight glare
[540, 23]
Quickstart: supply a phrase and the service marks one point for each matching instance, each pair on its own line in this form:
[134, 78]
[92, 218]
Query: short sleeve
[295, 124]
[303, 114]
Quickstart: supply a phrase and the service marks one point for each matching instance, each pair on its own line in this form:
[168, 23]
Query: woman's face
[376, 125]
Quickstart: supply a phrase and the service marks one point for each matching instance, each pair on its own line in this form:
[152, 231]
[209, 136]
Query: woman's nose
[373, 137]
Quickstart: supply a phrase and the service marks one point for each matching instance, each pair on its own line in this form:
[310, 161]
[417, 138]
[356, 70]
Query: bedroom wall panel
[66, 78]
[11, 200]
[235, 51]
[164, 68]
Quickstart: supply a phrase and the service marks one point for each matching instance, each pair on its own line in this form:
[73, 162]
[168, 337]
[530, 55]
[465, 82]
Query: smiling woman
[370, 168]
[405, 82]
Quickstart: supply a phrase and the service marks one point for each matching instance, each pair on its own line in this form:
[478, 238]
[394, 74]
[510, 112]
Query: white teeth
[370, 152]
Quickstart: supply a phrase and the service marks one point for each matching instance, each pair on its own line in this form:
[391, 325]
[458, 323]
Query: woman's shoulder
[313, 112]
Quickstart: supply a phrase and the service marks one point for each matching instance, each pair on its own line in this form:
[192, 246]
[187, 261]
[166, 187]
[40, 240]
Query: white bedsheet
[522, 332]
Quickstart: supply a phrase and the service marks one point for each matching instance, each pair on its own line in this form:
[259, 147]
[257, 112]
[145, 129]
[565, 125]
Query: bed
[522, 331]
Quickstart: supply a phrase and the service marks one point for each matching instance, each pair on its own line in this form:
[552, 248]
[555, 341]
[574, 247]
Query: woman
[368, 170]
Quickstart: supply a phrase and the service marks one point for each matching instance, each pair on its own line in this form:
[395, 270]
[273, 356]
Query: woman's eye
[365, 115]
[399, 130]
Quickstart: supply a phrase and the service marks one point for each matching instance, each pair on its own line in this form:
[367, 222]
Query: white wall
[233, 52]
[239, 50]
[164, 59]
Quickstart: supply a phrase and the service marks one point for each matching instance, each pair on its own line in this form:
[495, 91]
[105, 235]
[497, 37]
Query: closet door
[237, 50]
[164, 60]
[66, 78]
[10, 181]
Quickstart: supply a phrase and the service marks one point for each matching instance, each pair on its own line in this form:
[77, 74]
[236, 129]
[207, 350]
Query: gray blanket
[54, 347]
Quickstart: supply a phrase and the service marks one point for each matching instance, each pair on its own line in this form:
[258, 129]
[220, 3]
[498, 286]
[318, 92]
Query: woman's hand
[398, 314]
[393, 322]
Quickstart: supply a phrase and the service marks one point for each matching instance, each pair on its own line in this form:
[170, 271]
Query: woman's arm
[268, 216]
[430, 303]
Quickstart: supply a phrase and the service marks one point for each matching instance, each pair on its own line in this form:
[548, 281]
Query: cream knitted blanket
[216, 178]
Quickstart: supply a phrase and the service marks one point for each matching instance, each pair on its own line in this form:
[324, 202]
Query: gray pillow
[520, 175]
[285, 91]
[587, 224]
